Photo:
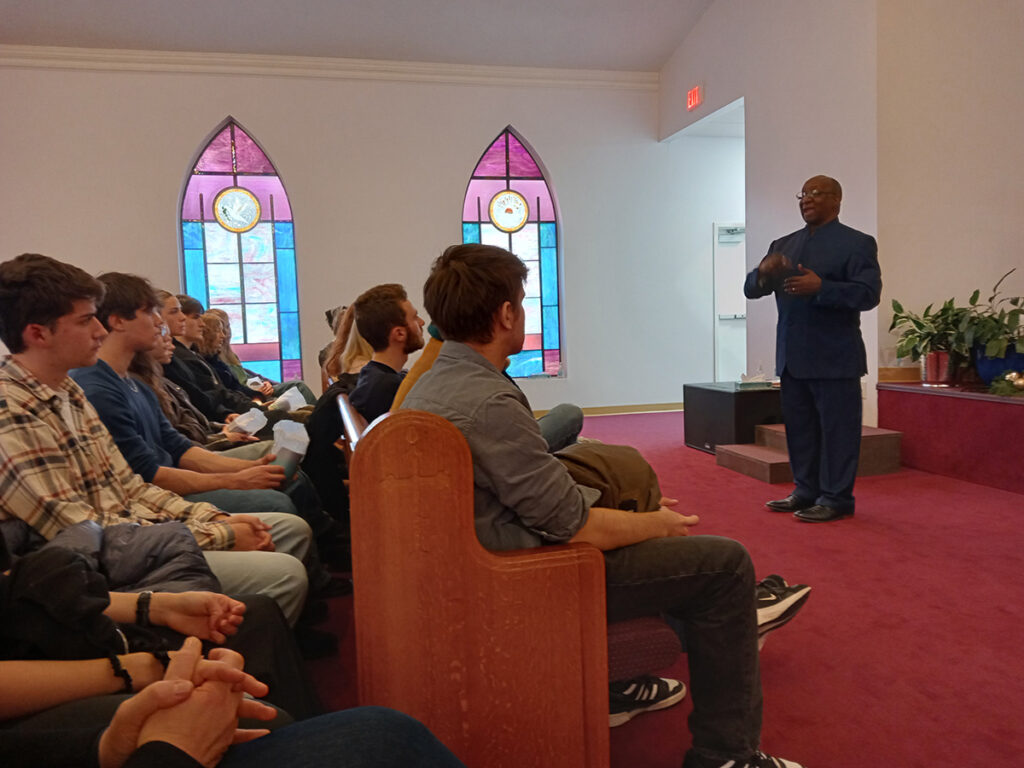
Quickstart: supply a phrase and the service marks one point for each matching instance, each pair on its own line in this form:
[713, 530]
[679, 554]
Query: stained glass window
[238, 250]
[509, 204]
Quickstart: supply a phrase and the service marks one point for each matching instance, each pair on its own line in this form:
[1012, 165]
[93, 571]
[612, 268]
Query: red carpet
[907, 653]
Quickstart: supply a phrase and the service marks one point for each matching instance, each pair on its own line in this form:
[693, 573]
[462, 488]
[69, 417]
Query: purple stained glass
[531, 190]
[249, 158]
[493, 161]
[263, 187]
[223, 280]
[260, 323]
[291, 370]
[484, 189]
[258, 244]
[221, 244]
[260, 283]
[217, 156]
[209, 186]
[552, 361]
[520, 162]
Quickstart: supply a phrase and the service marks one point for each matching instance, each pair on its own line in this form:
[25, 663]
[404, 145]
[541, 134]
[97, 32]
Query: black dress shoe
[791, 503]
[819, 513]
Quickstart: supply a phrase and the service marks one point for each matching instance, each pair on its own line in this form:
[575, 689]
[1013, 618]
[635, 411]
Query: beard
[413, 343]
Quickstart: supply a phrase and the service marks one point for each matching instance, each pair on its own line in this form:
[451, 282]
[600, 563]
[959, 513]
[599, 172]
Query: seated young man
[61, 465]
[391, 325]
[154, 449]
[524, 497]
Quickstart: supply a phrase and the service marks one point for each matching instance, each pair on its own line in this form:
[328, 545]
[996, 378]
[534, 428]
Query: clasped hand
[196, 708]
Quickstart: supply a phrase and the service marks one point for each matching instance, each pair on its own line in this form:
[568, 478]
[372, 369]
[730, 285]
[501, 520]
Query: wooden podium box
[725, 413]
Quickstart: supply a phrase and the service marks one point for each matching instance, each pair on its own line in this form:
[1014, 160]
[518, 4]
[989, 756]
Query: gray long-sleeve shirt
[523, 496]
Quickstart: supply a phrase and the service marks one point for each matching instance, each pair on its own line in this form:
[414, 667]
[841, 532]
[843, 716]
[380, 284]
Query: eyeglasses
[165, 331]
[815, 193]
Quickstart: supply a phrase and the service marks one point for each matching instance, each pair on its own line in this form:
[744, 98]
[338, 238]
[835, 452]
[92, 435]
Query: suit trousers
[823, 426]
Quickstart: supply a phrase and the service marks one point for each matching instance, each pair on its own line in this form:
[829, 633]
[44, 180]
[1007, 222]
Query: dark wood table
[723, 412]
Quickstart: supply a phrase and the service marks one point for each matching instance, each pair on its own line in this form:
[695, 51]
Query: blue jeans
[246, 502]
[704, 585]
[561, 426]
[365, 737]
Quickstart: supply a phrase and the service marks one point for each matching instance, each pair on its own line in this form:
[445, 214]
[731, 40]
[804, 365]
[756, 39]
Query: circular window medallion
[237, 209]
[508, 211]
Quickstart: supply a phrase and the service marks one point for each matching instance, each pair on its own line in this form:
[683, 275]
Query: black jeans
[705, 584]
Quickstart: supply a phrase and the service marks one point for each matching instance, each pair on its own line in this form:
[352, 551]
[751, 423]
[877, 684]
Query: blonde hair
[349, 351]
[226, 352]
[212, 325]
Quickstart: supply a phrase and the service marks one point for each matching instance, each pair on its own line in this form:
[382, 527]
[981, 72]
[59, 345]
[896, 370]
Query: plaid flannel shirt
[54, 474]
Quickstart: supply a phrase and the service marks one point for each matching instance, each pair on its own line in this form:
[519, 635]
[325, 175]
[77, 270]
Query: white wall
[806, 70]
[376, 171]
[950, 187]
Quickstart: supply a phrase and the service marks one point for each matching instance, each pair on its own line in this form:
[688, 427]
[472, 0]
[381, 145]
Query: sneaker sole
[624, 717]
[776, 610]
[785, 618]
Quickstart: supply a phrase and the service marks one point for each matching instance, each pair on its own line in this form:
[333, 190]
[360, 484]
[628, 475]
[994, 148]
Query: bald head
[820, 199]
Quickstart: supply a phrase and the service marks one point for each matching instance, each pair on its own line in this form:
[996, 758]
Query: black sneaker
[777, 603]
[629, 698]
[758, 760]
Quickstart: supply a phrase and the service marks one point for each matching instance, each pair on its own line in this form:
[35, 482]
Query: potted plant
[996, 332]
[942, 338]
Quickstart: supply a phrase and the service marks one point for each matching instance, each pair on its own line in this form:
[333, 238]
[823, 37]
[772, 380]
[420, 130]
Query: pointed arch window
[509, 204]
[238, 250]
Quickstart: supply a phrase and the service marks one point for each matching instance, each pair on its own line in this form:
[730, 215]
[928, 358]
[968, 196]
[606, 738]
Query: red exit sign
[694, 97]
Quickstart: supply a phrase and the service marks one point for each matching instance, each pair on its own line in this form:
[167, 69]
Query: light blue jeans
[561, 426]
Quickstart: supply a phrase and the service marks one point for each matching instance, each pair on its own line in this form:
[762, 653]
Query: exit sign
[694, 97]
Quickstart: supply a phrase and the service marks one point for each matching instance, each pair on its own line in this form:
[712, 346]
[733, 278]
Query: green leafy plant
[997, 323]
[947, 329]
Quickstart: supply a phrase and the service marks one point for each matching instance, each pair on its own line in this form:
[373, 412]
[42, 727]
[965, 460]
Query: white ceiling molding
[46, 57]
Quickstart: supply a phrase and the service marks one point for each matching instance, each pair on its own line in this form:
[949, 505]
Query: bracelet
[121, 672]
[142, 608]
[162, 657]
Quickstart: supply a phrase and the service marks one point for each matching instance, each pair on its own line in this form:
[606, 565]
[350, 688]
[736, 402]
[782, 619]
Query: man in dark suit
[823, 276]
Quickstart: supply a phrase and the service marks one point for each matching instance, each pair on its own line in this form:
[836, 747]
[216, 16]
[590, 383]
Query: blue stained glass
[257, 244]
[268, 369]
[532, 309]
[284, 234]
[470, 232]
[191, 235]
[287, 283]
[526, 363]
[260, 323]
[225, 284]
[290, 335]
[221, 245]
[550, 315]
[548, 236]
[549, 275]
[195, 274]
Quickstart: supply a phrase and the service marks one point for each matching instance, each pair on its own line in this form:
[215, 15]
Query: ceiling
[622, 35]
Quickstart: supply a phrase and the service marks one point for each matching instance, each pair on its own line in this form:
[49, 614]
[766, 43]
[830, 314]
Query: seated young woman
[233, 366]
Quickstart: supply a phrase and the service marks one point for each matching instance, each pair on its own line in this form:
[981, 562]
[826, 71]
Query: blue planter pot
[989, 368]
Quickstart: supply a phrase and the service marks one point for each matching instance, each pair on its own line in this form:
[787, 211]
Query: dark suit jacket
[819, 337]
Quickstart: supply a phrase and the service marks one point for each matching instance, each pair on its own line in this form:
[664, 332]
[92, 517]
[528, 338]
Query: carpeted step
[769, 465]
[767, 459]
